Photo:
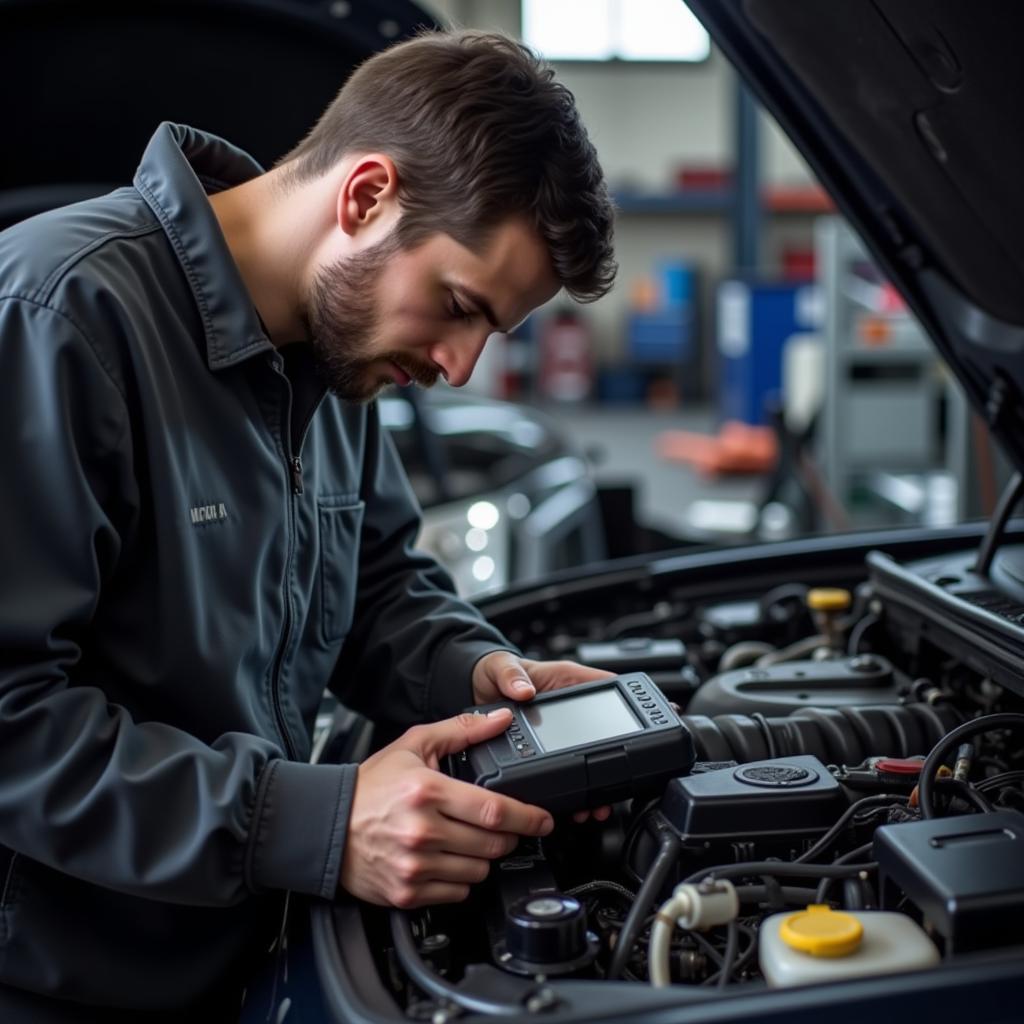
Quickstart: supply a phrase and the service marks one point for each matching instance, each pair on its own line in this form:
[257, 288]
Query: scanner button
[648, 704]
[527, 752]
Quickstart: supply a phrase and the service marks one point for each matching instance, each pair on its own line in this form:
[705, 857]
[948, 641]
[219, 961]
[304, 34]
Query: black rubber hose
[781, 869]
[790, 895]
[1000, 780]
[834, 735]
[967, 792]
[600, 885]
[926, 787]
[862, 851]
[746, 956]
[875, 800]
[729, 958]
[664, 862]
[431, 983]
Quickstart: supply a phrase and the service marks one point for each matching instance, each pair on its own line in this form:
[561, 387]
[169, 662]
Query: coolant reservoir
[820, 944]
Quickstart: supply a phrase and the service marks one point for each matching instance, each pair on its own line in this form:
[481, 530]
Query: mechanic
[198, 539]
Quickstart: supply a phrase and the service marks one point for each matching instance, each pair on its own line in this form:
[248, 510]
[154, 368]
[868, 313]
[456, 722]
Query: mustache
[423, 374]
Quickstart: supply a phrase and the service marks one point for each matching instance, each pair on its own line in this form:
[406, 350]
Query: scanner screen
[597, 715]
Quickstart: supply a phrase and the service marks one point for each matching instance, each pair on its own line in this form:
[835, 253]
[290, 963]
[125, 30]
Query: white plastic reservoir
[820, 944]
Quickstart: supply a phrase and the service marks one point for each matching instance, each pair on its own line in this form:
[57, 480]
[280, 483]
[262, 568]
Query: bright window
[663, 30]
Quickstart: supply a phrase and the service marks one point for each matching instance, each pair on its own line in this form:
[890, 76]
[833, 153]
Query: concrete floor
[620, 441]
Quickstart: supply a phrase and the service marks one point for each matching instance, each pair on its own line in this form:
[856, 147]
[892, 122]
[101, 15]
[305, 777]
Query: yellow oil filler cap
[828, 599]
[822, 931]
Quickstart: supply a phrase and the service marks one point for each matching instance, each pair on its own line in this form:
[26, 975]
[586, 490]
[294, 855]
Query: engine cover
[782, 689]
[786, 797]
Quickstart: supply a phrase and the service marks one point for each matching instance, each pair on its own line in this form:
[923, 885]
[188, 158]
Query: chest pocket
[341, 521]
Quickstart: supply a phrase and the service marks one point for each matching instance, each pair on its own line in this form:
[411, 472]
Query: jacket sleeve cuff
[451, 684]
[299, 827]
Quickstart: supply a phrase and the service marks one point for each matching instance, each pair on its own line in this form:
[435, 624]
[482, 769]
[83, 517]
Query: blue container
[666, 334]
[676, 281]
[754, 321]
[621, 384]
[661, 337]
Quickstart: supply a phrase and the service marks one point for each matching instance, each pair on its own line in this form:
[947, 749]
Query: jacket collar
[180, 166]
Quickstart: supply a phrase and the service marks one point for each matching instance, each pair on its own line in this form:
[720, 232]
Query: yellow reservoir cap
[822, 931]
[828, 599]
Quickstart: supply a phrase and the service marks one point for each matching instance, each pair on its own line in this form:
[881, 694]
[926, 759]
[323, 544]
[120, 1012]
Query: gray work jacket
[195, 542]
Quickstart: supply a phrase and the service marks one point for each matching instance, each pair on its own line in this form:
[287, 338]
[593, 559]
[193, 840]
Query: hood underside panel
[929, 95]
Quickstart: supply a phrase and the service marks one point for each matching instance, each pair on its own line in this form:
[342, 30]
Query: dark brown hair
[479, 131]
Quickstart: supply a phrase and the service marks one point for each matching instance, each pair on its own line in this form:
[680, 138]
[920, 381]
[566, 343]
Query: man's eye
[457, 311]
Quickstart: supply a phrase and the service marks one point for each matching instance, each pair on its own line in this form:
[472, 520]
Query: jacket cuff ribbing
[299, 827]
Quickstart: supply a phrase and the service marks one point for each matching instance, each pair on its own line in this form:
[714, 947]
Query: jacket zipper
[294, 467]
[275, 679]
[296, 459]
[5, 895]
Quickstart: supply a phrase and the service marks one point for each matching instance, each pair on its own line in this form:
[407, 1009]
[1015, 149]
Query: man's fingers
[443, 867]
[553, 675]
[451, 735]
[477, 806]
[512, 681]
[602, 813]
[506, 674]
[470, 841]
[410, 897]
[417, 881]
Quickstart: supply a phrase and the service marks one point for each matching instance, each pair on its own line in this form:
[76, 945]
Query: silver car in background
[507, 497]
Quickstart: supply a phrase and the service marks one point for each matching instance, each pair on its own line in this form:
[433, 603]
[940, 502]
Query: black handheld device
[581, 746]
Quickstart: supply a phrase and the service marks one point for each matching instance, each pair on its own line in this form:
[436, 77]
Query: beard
[343, 322]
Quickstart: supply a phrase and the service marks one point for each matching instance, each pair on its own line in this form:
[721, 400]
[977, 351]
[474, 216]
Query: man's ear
[368, 193]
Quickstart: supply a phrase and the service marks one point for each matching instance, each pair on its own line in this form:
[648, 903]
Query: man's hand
[416, 836]
[505, 676]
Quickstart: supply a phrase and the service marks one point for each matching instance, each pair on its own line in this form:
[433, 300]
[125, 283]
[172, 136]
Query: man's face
[390, 315]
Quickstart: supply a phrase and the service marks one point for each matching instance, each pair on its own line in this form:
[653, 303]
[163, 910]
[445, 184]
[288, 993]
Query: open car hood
[909, 113]
[89, 83]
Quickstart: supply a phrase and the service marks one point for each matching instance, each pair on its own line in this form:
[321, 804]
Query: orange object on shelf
[738, 448]
[796, 199]
[643, 295]
[874, 331]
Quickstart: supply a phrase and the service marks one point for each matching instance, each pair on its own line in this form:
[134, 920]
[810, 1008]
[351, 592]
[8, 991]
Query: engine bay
[856, 772]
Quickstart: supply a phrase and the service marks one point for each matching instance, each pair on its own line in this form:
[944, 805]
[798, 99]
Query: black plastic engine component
[734, 621]
[664, 660]
[546, 933]
[780, 616]
[634, 654]
[944, 603]
[965, 873]
[840, 736]
[781, 689]
[790, 797]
